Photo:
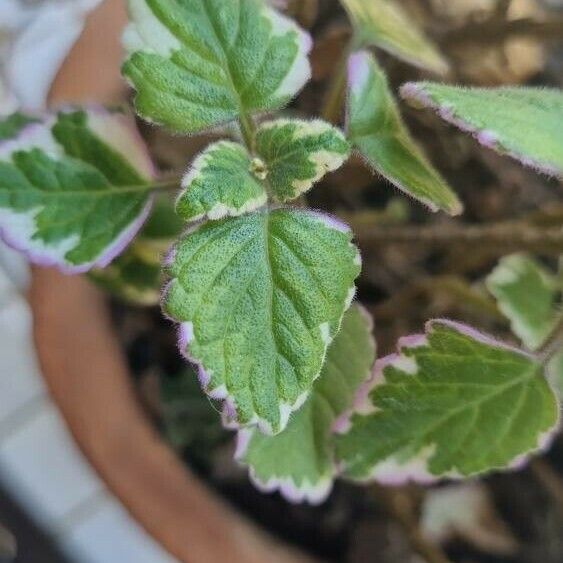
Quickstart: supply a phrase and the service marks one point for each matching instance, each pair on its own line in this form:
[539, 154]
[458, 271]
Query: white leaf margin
[17, 229]
[185, 334]
[197, 172]
[324, 161]
[309, 492]
[395, 472]
[145, 33]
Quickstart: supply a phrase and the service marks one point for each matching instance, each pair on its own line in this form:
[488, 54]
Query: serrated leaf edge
[312, 493]
[39, 135]
[220, 393]
[392, 472]
[323, 161]
[219, 210]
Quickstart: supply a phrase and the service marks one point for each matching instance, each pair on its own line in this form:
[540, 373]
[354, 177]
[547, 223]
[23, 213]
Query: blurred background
[54, 507]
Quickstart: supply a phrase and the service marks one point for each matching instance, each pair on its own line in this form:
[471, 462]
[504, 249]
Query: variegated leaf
[450, 404]
[259, 298]
[220, 183]
[385, 24]
[376, 128]
[198, 63]
[298, 153]
[74, 188]
[527, 294]
[290, 156]
[524, 123]
[299, 462]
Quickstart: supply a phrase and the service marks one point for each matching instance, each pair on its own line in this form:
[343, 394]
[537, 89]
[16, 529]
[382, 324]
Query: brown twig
[453, 285]
[495, 30]
[553, 343]
[509, 236]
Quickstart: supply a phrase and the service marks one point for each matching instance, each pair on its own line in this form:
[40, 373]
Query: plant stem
[400, 504]
[247, 130]
[518, 236]
[334, 97]
[553, 343]
[165, 185]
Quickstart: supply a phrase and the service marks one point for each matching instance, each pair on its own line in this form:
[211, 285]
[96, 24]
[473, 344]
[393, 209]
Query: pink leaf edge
[414, 91]
[415, 470]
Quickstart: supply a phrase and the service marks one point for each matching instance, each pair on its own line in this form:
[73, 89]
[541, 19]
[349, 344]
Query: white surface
[109, 536]
[35, 38]
[19, 384]
[43, 468]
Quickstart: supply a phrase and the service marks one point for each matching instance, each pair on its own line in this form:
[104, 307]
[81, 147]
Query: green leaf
[198, 63]
[451, 403]
[259, 298]
[188, 417]
[298, 153]
[74, 189]
[136, 275]
[527, 295]
[384, 24]
[299, 461]
[375, 127]
[11, 125]
[219, 184]
[291, 155]
[524, 123]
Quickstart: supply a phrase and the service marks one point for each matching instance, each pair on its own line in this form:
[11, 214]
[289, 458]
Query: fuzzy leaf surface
[524, 123]
[199, 63]
[527, 294]
[74, 188]
[220, 183]
[384, 24]
[376, 128]
[259, 298]
[298, 153]
[451, 403]
[299, 462]
[290, 156]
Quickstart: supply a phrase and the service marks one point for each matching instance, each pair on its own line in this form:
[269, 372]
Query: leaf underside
[527, 294]
[73, 188]
[199, 63]
[524, 123]
[299, 461]
[452, 403]
[376, 128]
[384, 24]
[259, 298]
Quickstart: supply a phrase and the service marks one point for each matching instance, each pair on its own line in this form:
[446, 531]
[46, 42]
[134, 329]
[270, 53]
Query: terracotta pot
[87, 376]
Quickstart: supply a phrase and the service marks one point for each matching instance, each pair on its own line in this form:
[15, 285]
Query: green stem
[247, 130]
[165, 185]
[553, 344]
[334, 97]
